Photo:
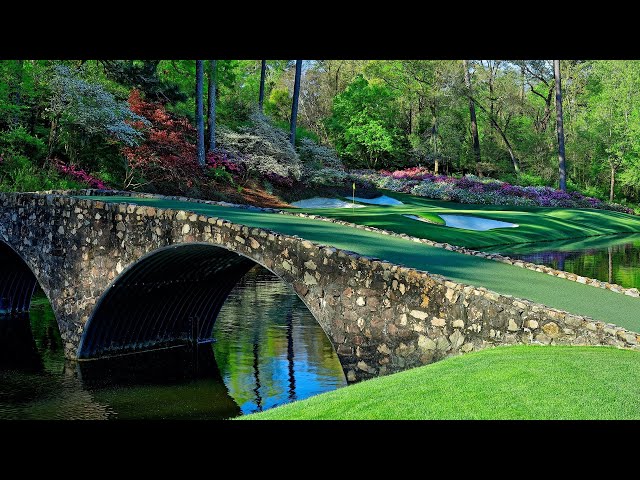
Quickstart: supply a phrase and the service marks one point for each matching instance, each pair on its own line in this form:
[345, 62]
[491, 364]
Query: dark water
[269, 350]
[610, 258]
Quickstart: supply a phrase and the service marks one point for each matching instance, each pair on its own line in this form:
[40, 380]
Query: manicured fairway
[552, 291]
[535, 223]
[517, 382]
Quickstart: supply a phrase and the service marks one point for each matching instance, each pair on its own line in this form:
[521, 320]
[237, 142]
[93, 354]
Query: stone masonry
[380, 317]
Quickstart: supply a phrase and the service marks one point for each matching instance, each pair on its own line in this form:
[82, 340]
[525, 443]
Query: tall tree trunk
[613, 181]
[436, 164]
[472, 114]
[263, 74]
[53, 139]
[491, 97]
[200, 110]
[514, 159]
[560, 128]
[294, 104]
[211, 120]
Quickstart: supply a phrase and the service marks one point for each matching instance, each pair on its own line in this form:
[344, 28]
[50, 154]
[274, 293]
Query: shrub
[18, 141]
[263, 148]
[471, 189]
[79, 175]
[312, 153]
[167, 158]
[224, 165]
[275, 179]
[18, 173]
[328, 177]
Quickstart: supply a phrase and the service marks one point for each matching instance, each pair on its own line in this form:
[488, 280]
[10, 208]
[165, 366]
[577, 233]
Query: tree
[263, 74]
[538, 75]
[559, 127]
[613, 116]
[363, 123]
[15, 87]
[83, 109]
[200, 111]
[472, 114]
[212, 105]
[143, 75]
[294, 103]
[497, 101]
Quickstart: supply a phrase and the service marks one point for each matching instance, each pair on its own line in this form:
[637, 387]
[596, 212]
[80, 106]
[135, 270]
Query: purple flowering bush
[486, 191]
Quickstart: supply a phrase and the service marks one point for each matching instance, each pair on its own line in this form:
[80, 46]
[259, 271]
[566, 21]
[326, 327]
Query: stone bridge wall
[380, 317]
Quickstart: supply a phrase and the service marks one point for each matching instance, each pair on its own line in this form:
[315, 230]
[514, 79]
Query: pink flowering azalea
[80, 175]
[419, 181]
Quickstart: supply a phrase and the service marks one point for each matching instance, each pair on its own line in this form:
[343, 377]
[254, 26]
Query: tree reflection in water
[611, 258]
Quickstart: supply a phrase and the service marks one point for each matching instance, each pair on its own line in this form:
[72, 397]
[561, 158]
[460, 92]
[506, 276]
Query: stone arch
[171, 296]
[18, 282]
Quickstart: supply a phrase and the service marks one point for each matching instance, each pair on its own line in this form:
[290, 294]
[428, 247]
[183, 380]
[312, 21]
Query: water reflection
[611, 258]
[268, 350]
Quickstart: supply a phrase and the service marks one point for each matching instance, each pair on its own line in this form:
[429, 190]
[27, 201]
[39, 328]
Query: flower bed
[471, 189]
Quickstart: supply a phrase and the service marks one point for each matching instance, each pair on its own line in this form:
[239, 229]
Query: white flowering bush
[441, 191]
[328, 177]
[389, 183]
[263, 148]
[316, 156]
[321, 165]
[87, 106]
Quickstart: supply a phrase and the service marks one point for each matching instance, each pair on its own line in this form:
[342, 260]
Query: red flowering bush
[167, 159]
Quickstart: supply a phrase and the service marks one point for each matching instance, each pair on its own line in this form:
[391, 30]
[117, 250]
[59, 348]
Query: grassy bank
[518, 382]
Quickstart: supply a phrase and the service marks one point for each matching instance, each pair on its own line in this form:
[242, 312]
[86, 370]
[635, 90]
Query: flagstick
[353, 199]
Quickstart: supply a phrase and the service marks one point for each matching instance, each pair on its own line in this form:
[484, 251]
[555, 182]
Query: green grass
[517, 382]
[431, 217]
[556, 292]
[535, 223]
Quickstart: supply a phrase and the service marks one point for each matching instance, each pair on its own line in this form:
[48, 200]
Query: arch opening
[170, 297]
[17, 283]
[30, 338]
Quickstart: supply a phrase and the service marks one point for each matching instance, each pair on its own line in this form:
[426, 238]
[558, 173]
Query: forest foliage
[131, 123]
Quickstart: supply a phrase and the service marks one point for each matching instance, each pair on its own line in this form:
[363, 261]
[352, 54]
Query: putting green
[535, 223]
[552, 291]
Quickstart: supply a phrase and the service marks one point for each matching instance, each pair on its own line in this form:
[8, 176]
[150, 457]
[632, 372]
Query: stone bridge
[122, 278]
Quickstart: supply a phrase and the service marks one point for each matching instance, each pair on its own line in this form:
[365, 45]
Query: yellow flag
[354, 186]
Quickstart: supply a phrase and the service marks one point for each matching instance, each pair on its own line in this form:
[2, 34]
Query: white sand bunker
[475, 223]
[383, 200]
[322, 202]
